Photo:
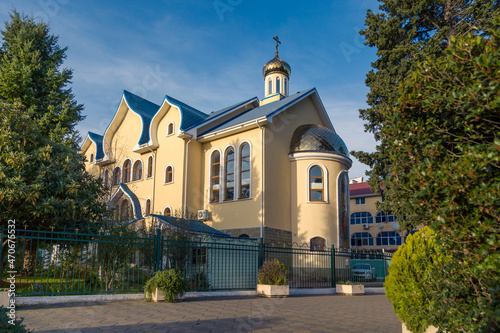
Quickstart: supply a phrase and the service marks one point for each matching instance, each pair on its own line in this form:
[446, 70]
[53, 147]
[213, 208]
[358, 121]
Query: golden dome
[276, 65]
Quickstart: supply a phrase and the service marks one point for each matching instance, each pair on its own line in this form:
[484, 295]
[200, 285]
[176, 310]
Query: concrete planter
[430, 329]
[268, 290]
[4, 299]
[159, 296]
[351, 289]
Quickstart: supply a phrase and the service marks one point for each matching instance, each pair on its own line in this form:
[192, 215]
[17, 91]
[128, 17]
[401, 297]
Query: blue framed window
[361, 218]
[361, 239]
[385, 218]
[388, 238]
[360, 201]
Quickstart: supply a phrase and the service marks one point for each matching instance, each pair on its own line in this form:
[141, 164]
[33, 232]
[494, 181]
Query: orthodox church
[273, 167]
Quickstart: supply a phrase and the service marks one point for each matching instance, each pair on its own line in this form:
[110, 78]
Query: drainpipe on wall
[186, 177]
[261, 180]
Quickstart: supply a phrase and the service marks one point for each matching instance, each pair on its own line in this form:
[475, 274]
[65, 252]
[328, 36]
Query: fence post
[334, 282]
[157, 249]
[261, 252]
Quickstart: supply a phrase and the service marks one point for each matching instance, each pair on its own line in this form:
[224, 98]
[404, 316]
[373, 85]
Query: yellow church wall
[238, 213]
[277, 205]
[195, 173]
[311, 219]
[91, 168]
[170, 153]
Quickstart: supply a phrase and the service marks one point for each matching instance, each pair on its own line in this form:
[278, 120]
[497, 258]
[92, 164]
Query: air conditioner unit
[380, 225]
[203, 214]
[365, 226]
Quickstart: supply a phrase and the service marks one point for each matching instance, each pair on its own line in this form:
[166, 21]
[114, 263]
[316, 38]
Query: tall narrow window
[150, 166]
[270, 87]
[245, 171]
[169, 174]
[285, 90]
[215, 177]
[316, 184]
[229, 169]
[170, 129]
[137, 171]
[167, 212]
[278, 84]
[91, 158]
[105, 178]
[116, 176]
[125, 210]
[126, 171]
[148, 207]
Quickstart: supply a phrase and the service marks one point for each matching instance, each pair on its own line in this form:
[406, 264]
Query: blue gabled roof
[267, 110]
[97, 139]
[190, 225]
[145, 109]
[223, 111]
[133, 197]
[189, 116]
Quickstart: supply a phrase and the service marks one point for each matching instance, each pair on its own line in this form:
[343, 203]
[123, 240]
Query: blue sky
[210, 53]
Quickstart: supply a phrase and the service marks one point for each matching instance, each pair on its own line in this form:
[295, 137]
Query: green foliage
[41, 169]
[170, 281]
[272, 272]
[406, 282]
[19, 327]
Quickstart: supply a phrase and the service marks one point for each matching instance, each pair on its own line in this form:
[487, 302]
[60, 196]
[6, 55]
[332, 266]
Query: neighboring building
[371, 229]
[272, 168]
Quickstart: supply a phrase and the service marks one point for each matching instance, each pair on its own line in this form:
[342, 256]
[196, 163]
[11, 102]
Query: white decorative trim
[326, 198]
[320, 156]
[238, 168]
[223, 172]
[132, 170]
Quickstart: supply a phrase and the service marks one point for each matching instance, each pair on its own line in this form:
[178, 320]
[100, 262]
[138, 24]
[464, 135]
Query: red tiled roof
[360, 189]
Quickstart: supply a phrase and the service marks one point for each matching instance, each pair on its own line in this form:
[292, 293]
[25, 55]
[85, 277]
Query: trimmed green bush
[408, 274]
[272, 272]
[170, 281]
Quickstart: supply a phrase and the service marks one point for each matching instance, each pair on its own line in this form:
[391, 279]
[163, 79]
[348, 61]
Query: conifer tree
[43, 182]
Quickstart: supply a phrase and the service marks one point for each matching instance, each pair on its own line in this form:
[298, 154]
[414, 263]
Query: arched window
[243, 236]
[116, 176]
[361, 239]
[285, 90]
[125, 210]
[91, 157]
[270, 86]
[169, 174]
[105, 178]
[229, 174]
[278, 81]
[215, 176]
[137, 171]
[167, 211]
[148, 208]
[150, 167]
[170, 128]
[383, 217]
[388, 238]
[361, 218]
[317, 244]
[126, 171]
[245, 171]
[316, 184]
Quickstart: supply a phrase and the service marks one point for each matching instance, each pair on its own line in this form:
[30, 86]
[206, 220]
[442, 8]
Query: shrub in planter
[170, 281]
[272, 272]
[407, 284]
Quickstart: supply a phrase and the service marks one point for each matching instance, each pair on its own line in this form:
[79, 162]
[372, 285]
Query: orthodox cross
[276, 38]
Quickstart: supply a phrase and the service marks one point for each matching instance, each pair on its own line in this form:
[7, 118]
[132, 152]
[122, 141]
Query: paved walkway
[332, 313]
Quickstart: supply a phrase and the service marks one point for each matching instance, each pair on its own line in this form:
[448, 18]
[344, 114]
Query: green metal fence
[65, 263]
